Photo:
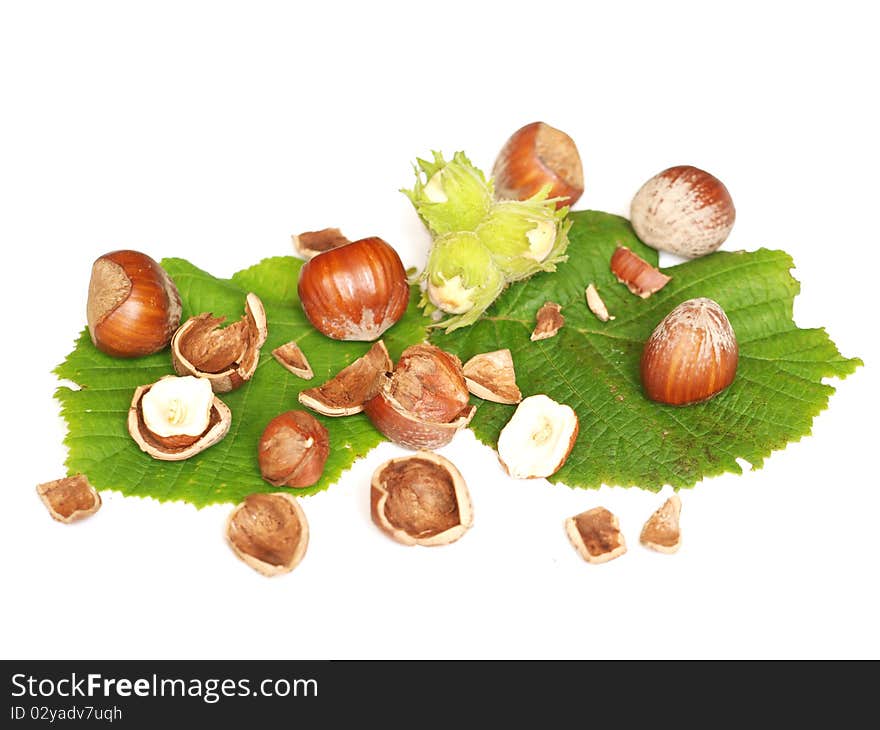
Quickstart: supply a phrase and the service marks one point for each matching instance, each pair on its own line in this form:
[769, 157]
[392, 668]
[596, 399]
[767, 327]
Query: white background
[214, 131]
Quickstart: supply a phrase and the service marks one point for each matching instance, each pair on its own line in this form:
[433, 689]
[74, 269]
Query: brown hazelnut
[181, 419]
[691, 356]
[346, 393]
[133, 306]
[424, 401]
[269, 532]
[70, 499]
[293, 450]
[226, 357]
[536, 156]
[421, 499]
[684, 210]
[354, 292]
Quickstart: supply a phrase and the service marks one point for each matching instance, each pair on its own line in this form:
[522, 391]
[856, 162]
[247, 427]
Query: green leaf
[99, 443]
[625, 439]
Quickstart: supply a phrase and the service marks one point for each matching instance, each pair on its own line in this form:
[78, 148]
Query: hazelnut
[424, 401]
[177, 417]
[354, 292]
[269, 532]
[661, 532]
[70, 499]
[293, 450]
[535, 156]
[228, 357]
[596, 535]
[683, 210]
[638, 275]
[691, 356]
[346, 393]
[491, 376]
[421, 499]
[133, 305]
[538, 438]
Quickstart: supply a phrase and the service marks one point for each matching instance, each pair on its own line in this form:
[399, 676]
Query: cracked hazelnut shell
[683, 210]
[535, 156]
[133, 305]
[291, 357]
[636, 274]
[421, 499]
[69, 499]
[691, 356]
[424, 401]
[491, 376]
[293, 450]
[269, 532]
[228, 356]
[596, 535]
[661, 532]
[176, 448]
[310, 243]
[346, 392]
[356, 291]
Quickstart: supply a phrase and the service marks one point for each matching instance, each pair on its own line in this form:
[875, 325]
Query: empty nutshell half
[596, 535]
[70, 498]
[662, 532]
[421, 499]
[269, 532]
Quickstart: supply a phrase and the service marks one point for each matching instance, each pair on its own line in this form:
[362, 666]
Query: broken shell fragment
[293, 450]
[421, 500]
[538, 438]
[178, 446]
[311, 243]
[549, 321]
[596, 535]
[70, 499]
[661, 532]
[596, 305]
[424, 401]
[269, 532]
[491, 376]
[292, 358]
[227, 357]
[346, 393]
[638, 275]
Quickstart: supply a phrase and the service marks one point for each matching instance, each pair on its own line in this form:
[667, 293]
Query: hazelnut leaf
[96, 406]
[593, 366]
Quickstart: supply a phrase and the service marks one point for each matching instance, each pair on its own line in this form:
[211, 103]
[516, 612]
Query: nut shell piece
[538, 438]
[269, 532]
[662, 532]
[597, 304]
[535, 156]
[176, 448]
[691, 356]
[596, 535]
[293, 359]
[491, 376]
[293, 450]
[421, 499]
[356, 291]
[311, 243]
[638, 275]
[133, 305]
[226, 357]
[70, 499]
[346, 393]
[683, 210]
[548, 321]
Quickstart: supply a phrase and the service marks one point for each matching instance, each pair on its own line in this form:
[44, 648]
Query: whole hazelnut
[683, 210]
[293, 450]
[356, 291]
[133, 306]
